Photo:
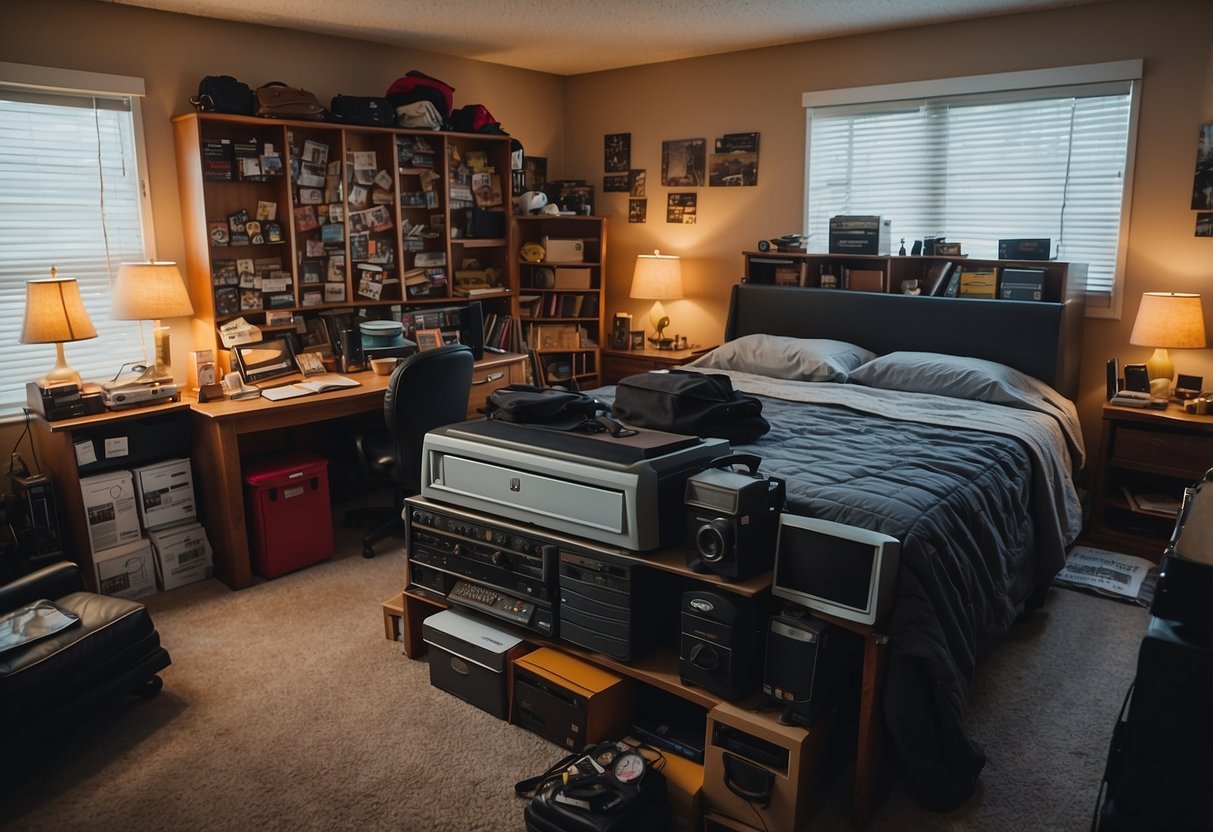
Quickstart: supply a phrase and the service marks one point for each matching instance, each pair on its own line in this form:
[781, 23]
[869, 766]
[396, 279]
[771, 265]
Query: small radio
[732, 518]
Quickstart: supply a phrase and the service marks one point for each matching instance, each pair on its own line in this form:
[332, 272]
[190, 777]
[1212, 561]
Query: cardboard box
[860, 235]
[684, 791]
[127, 571]
[978, 282]
[166, 493]
[183, 555]
[109, 505]
[865, 280]
[568, 701]
[572, 278]
[563, 251]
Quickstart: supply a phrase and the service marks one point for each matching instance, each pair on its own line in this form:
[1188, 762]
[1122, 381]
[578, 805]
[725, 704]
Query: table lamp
[54, 314]
[152, 291]
[1167, 320]
[657, 277]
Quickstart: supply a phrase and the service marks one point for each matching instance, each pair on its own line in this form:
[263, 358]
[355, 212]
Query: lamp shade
[1169, 320]
[54, 312]
[657, 277]
[150, 291]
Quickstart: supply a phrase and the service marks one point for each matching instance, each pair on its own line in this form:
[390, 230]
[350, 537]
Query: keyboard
[489, 600]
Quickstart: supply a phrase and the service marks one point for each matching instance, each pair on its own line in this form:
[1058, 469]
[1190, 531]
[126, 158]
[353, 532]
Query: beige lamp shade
[657, 277]
[150, 291]
[54, 312]
[1168, 320]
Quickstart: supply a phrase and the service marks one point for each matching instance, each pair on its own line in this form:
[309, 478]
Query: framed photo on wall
[683, 162]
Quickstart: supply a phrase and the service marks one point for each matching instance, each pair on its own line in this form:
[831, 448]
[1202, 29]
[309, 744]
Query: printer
[624, 491]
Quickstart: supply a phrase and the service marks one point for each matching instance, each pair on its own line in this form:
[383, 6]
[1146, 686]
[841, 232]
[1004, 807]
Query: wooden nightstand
[1145, 452]
[619, 363]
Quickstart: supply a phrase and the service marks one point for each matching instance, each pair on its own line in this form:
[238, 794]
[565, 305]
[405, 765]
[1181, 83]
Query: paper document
[314, 384]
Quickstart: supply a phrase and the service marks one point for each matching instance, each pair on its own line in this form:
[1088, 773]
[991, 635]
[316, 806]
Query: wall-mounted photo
[616, 152]
[680, 208]
[617, 183]
[1204, 224]
[638, 210]
[735, 162]
[637, 179]
[682, 162]
[1202, 183]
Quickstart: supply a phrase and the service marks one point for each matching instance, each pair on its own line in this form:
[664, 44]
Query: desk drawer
[484, 382]
[1171, 453]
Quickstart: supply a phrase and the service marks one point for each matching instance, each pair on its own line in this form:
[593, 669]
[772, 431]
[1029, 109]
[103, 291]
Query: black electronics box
[1029, 248]
[469, 658]
[1021, 284]
[59, 401]
[860, 235]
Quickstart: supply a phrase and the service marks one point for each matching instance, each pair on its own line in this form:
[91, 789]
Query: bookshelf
[371, 221]
[560, 296]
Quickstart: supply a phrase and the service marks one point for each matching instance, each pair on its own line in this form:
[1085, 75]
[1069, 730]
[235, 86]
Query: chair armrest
[49, 582]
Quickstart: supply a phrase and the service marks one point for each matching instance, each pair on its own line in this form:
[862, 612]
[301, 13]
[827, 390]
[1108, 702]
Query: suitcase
[290, 519]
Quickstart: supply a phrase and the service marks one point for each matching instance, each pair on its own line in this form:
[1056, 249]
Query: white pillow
[778, 356]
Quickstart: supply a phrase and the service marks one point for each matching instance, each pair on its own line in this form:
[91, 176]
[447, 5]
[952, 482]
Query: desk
[218, 426]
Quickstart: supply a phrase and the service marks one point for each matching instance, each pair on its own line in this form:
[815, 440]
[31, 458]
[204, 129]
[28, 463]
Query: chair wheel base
[151, 687]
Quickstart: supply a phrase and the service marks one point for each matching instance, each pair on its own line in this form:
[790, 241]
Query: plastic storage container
[290, 519]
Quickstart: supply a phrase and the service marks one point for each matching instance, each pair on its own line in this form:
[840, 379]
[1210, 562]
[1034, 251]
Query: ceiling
[569, 37]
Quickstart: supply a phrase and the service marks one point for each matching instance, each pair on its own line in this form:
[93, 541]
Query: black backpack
[224, 94]
[698, 404]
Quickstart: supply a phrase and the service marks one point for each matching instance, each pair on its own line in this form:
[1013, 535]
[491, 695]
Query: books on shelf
[1161, 505]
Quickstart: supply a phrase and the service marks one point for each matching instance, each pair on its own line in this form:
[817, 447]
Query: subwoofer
[721, 644]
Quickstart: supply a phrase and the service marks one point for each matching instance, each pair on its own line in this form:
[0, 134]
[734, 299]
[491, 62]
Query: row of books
[502, 332]
[559, 305]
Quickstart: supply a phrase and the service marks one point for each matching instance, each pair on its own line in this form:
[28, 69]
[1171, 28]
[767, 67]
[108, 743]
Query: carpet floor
[285, 708]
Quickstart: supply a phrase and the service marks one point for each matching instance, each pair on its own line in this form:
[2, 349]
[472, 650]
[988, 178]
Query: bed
[948, 424]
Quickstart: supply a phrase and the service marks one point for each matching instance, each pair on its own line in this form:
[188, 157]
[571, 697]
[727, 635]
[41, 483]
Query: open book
[315, 384]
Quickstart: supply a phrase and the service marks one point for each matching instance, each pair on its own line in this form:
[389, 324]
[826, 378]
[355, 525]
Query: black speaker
[472, 329]
[721, 644]
[803, 667]
[350, 346]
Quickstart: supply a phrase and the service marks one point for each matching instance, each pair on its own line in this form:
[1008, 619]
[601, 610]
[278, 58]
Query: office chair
[427, 390]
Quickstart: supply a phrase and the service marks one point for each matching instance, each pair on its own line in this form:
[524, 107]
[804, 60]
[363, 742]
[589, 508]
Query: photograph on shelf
[428, 339]
[227, 300]
[638, 210]
[617, 152]
[621, 331]
[682, 162]
[278, 317]
[535, 172]
[680, 208]
[637, 339]
[735, 162]
[267, 210]
[220, 234]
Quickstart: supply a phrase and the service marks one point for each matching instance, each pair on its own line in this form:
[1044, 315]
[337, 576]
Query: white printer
[626, 492]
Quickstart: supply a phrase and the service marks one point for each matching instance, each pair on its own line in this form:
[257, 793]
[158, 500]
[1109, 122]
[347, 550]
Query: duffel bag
[367, 110]
[417, 86]
[277, 100]
[699, 404]
[545, 406]
[224, 94]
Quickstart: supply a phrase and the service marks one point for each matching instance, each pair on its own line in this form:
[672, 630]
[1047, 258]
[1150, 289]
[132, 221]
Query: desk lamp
[657, 277]
[1167, 320]
[152, 291]
[54, 313]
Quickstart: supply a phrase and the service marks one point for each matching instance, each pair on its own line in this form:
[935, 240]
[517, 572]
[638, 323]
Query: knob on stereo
[704, 656]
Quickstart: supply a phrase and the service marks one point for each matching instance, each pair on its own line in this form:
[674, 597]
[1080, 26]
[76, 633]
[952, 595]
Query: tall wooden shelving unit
[314, 270]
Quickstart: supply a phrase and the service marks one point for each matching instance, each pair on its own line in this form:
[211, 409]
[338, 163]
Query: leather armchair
[114, 649]
[427, 390]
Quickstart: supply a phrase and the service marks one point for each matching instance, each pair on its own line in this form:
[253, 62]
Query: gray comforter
[983, 500]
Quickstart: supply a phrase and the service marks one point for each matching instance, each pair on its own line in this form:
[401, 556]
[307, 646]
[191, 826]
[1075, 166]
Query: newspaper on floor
[1110, 573]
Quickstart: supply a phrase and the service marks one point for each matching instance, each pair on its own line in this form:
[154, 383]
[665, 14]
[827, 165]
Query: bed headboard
[1041, 339]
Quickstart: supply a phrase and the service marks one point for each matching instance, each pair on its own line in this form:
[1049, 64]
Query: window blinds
[978, 168]
[69, 198]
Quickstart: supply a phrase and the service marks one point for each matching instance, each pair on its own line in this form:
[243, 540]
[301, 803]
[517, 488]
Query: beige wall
[760, 91]
[755, 91]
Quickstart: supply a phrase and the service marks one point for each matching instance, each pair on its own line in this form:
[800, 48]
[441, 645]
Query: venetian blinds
[1045, 162]
[69, 198]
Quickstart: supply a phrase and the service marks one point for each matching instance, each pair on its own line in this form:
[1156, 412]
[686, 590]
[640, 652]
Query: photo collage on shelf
[422, 221]
[320, 221]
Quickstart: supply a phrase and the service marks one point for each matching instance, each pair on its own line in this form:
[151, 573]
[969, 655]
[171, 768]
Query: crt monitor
[845, 571]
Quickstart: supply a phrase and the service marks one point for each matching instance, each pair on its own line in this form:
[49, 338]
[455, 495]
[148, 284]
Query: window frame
[52, 81]
[1129, 71]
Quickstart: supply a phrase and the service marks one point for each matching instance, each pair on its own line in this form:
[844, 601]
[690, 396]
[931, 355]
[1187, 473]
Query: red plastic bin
[290, 519]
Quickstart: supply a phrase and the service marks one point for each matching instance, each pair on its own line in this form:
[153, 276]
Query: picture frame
[637, 342]
[428, 339]
[683, 162]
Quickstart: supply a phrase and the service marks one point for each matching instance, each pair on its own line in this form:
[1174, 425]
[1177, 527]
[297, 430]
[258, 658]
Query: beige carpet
[287, 709]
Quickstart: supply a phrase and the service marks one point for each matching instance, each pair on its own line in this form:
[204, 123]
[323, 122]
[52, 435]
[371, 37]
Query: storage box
[566, 251]
[290, 520]
[568, 701]
[166, 493]
[572, 278]
[1030, 248]
[183, 555]
[978, 282]
[865, 280]
[1021, 284]
[684, 791]
[109, 505]
[126, 571]
[860, 235]
[469, 659]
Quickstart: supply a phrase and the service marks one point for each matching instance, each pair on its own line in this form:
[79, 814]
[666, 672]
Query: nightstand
[619, 363]
[1151, 454]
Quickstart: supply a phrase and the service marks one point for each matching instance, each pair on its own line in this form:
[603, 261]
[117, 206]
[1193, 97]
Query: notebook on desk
[309, 386]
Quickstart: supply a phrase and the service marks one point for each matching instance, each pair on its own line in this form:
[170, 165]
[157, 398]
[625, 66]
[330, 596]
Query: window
[71, 197]
[1027, 154]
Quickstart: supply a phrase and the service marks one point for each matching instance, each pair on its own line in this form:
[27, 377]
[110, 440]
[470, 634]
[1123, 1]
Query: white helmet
[531, 202]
